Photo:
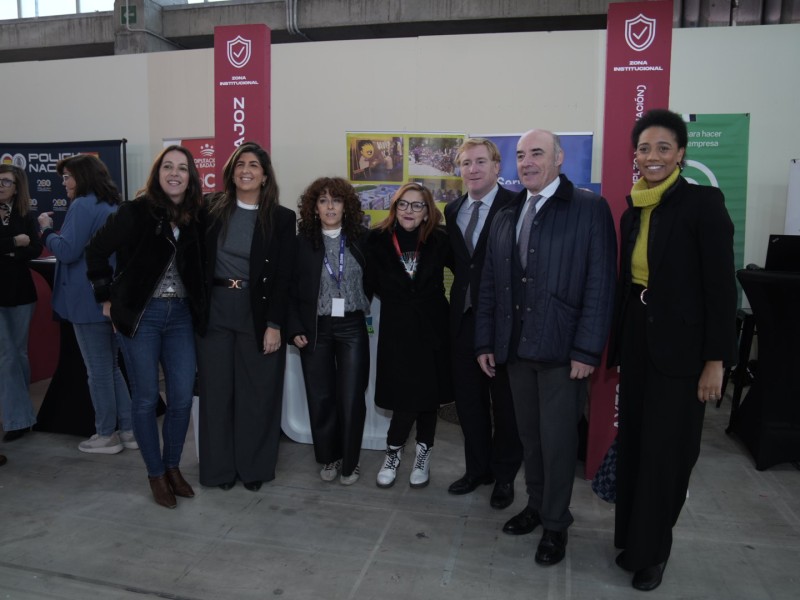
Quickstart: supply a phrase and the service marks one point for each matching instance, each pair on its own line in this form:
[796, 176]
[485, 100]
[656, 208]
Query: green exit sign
[128, 15]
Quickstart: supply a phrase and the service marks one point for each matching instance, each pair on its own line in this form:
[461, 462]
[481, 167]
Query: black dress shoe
[226, 486]
[620, 560]
[552, 547]
[649, 578]
[523, 523]
[253, 486]
[502, 495]
[468, 484]
[3, 459]
[10, 436]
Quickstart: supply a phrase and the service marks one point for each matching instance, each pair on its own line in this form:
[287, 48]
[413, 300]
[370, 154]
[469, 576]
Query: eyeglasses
[415, 206]
[6, 182]
[66, 177]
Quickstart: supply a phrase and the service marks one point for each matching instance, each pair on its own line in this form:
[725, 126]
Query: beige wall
[484, 83]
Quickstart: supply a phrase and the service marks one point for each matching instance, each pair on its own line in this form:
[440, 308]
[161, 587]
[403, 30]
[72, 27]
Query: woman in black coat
[675, 329]
[19, 243]
[241, 355]
[407, 254]
[326, 322]
[155, 299]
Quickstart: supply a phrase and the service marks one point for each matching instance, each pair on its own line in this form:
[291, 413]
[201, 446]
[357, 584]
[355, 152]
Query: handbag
[604, 483]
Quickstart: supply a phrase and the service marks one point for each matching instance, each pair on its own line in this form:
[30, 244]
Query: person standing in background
[93, 197]
[19, 244]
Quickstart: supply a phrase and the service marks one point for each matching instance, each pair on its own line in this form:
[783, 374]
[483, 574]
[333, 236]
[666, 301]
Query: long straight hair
[154, 194]
[223, 204]
[22, 198]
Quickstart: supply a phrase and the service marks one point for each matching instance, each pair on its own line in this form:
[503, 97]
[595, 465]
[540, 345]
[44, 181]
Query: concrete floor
[80, 526]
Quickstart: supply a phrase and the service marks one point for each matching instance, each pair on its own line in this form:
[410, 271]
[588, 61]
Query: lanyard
[409, 261]
[336, 280]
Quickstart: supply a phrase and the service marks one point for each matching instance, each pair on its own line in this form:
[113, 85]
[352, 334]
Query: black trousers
[402, 421]
[485, 411]
[660, 426]
[336, 372]
[241, 395]
[548, 406]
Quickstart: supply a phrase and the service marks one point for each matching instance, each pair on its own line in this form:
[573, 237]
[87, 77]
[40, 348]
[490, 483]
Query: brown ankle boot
[180, 487]
[162, 493]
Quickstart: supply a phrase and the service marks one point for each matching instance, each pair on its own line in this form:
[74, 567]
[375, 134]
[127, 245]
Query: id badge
[337, 308]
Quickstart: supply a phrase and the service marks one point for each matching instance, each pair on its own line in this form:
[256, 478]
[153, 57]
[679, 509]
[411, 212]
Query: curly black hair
[661, 117]
[308, 224]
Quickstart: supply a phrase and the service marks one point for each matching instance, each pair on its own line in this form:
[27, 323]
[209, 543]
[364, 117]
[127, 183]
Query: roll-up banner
[241, 88]
[39, 163]
[638, 53]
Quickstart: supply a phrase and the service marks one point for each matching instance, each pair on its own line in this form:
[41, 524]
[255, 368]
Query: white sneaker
[420, 475]
[331, 470]
[102, 444]
[128, 440]
[388, 472]
[352, 478]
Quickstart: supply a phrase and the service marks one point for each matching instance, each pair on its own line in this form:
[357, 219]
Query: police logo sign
[239, 51]
[640, 32]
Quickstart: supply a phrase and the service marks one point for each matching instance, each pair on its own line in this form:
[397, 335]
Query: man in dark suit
[492, 454]
[544, 309]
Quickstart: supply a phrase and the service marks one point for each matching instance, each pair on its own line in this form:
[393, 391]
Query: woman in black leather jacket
[154, 300]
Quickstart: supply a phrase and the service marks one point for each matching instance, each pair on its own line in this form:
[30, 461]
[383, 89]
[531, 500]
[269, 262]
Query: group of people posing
[214, 289]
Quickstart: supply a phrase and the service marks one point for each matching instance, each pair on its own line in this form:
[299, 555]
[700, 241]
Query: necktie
[524, 240]
[469, 233]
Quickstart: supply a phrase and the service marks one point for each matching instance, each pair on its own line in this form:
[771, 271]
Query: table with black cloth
[67, 405]
[768, 420]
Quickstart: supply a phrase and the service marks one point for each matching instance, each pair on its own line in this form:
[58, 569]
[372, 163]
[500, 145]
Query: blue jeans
[165, 336]
[107, 387]
[15, 371]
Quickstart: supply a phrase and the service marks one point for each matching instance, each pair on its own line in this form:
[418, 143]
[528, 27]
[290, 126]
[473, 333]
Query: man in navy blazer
[491, 453]
[544, 310]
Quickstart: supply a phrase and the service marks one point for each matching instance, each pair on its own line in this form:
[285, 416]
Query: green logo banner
[717, 155]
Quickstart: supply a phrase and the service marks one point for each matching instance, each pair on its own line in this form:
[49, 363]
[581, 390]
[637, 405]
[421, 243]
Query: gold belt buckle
[236, 284]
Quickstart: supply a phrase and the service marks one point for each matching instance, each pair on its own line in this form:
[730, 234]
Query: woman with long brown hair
[155, 299]
[250, 252]
[19, 243]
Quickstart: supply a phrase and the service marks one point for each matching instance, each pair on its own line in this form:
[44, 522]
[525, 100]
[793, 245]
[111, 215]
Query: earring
[636, 163]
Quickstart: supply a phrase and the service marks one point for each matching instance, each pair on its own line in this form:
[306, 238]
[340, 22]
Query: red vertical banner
[638, 53]
[241, 88]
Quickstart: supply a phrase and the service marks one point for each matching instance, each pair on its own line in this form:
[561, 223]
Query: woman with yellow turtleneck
[675, 329]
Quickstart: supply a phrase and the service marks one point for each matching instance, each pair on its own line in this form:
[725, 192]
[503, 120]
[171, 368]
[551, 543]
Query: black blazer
[271, 267]
[18, 287]
[691, 297]
[467, 273]
[306, 284]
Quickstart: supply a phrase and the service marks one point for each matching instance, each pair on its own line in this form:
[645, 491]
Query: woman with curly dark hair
[326, 322]
[155, 298]
[250, 251]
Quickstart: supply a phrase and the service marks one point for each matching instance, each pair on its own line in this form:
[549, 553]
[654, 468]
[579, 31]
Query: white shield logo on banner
[238, 51]
[640, 32]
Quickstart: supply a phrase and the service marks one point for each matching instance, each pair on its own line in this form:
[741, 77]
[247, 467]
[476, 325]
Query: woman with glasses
[326, 322]
[407, 253]
[155, 299]
[19, 243]
[250, 252]
[93, 197]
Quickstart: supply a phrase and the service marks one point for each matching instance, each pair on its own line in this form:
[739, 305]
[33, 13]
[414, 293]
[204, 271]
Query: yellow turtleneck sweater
[647, 199]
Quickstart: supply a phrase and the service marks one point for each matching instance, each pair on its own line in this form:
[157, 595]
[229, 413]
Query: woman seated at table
[326, 322]
[155, 298]
[93, 197]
